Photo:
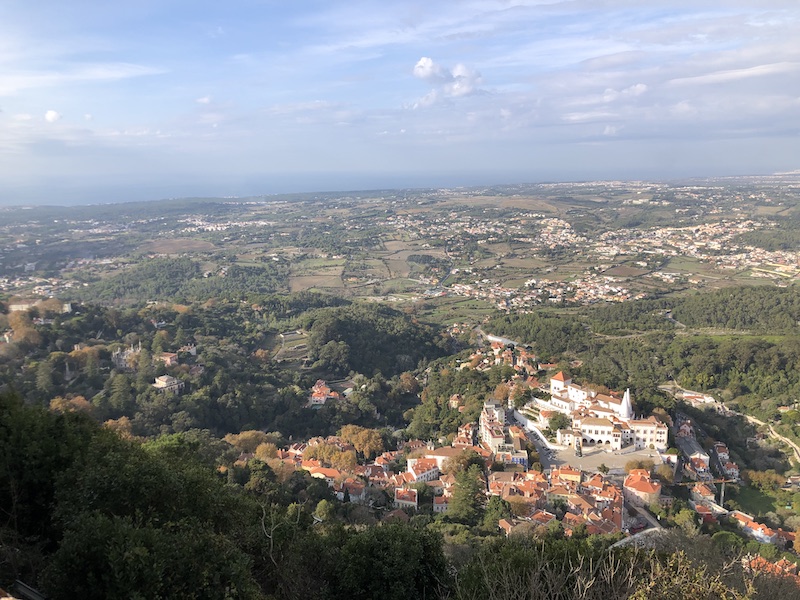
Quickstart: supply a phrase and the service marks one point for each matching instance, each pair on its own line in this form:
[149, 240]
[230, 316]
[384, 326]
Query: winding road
[775, 434]
[674, 388]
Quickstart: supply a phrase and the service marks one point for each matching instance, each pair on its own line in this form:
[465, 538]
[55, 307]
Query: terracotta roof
[405, 495]
[643, 485]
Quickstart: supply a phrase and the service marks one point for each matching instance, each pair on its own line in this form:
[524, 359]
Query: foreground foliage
[87, 514]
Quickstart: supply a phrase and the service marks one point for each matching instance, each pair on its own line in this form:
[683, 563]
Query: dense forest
[369, 338]
[182, 280]
[551, 335]
[88, 514]
[110, 357]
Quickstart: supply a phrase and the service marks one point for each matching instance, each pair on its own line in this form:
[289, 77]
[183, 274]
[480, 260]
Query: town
[619, 491]
[513, 248]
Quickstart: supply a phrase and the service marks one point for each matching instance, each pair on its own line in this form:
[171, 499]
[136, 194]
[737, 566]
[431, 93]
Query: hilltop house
[167, 384]
[320, 394]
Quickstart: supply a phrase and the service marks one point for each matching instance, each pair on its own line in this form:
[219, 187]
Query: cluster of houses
[566, 493]
[697, 467]
[584, 500]
[589, 500]
[697, 462]
[782, 568]
[125, 359]
[729, 468]
[501, 352]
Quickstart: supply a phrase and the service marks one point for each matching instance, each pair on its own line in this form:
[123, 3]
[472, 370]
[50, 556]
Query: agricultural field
[177, 246]
[475, 243]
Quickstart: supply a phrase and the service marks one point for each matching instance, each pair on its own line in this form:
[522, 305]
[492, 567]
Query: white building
[601, 418]
[167, 384]
[567, 397]
[596, 431]
[491, 425]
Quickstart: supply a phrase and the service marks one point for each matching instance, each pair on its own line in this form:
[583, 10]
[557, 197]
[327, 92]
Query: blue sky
[105, 101]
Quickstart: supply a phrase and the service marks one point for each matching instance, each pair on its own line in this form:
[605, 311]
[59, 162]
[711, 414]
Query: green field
[754, 501]
[452, 310]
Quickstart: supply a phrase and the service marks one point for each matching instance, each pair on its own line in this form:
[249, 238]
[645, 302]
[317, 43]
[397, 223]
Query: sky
[142, 99]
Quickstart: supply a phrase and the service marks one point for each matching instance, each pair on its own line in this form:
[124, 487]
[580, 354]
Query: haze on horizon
[101, 102]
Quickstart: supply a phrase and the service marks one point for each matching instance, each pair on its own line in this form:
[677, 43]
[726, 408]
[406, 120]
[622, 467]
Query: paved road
[647, 516]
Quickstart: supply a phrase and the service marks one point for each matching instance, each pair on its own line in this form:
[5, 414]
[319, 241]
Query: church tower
[626, 410]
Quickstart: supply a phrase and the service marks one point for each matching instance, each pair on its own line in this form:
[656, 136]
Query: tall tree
[468, 494]
[44, 378]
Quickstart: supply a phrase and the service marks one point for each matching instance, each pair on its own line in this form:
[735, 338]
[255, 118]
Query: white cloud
[635, 90]
[51, 116]
[14, 82]
[428, 99]
[683, 108]
[23, 117]
[736, 74]
[450, 83]
[87, 117]
[204, 100]
[427, 70]
[465, 81]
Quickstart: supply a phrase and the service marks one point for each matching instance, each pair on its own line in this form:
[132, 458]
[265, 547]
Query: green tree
[121, 397]
[159, 342]
[559, 421]
[144, 367]
[665, 473]
[463, 461]
[496, 509]
[325, 510]
[727, 543]
[687, 520]
[393, 562]
[367, 442]
[44, 378]
[104, 556]
[468, 493]
[92, 367]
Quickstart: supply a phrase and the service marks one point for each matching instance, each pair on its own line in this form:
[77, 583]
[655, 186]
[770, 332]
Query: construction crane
[722, 489]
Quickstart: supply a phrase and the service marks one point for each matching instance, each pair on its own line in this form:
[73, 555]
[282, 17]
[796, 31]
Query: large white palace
[605, 419]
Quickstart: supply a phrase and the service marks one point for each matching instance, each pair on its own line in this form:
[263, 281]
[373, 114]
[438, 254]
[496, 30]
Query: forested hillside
[759, 309]
[225, 361]
[369, 338]
[551, 334]
[89, 515]
[182, 280]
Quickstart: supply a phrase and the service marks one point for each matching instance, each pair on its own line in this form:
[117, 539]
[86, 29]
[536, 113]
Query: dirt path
[775, 434]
